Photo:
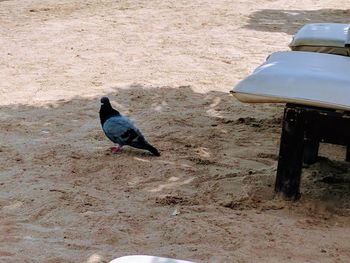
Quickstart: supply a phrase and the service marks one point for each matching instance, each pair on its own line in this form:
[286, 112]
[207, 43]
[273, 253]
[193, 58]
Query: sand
[169, 66]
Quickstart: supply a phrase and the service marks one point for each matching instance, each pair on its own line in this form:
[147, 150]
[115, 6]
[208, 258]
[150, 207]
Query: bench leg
[310, 154]
[291, 155]
[347, 158]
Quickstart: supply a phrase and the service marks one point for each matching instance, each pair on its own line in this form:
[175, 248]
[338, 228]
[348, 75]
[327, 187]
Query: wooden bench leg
[347, 158]
[310, 154]
[291, 154]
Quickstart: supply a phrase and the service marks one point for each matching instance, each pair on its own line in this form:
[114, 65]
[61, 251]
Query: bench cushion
[147, 259]
[332, 38]
[306, 78]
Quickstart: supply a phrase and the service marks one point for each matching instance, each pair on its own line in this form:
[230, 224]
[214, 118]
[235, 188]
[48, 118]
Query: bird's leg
[115, 149]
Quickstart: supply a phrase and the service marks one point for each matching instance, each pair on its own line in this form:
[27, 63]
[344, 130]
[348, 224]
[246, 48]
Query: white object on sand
[331, 38]
[175, 212]
[307, 78]
[147, 259]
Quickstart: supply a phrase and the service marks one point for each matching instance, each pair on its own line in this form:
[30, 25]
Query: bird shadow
[290, 21]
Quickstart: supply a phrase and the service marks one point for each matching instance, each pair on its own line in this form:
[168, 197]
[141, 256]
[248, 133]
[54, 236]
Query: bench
[316, 90]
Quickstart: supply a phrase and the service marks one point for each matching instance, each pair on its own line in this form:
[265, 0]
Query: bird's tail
[152, 149]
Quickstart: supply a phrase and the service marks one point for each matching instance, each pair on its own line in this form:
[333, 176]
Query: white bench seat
[331, 38]
[147, 259]
[306, 78]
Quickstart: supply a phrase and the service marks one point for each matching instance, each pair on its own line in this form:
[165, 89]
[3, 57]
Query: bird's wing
[121, 130]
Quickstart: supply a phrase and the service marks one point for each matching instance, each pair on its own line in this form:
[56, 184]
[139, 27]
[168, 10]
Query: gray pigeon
[120, 130]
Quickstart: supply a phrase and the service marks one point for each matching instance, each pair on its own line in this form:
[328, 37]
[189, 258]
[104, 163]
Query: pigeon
[120, 130]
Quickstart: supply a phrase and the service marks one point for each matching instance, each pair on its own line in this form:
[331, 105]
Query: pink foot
[115, 149]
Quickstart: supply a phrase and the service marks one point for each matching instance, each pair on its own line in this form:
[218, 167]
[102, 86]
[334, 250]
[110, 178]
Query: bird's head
[105, 101]
[107, 110]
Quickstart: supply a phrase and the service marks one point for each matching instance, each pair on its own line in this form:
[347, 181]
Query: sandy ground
[169, 66]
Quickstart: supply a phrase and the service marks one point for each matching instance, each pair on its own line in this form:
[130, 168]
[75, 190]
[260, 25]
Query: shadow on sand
[290, 21]
[59, 180]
